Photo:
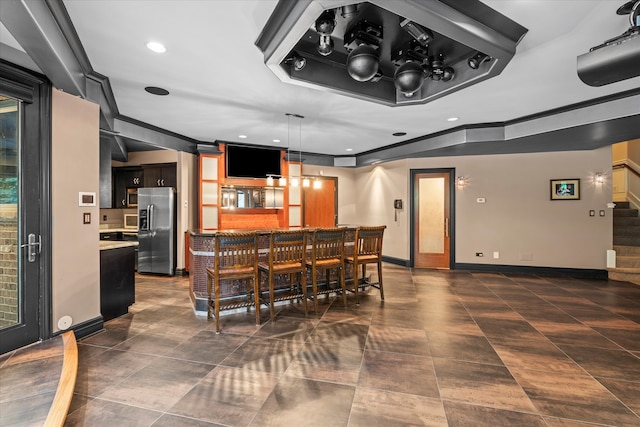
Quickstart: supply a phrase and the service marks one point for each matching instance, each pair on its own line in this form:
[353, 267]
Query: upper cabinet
[160, 175]
[125, 178]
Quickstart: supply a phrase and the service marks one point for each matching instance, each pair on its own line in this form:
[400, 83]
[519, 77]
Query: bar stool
[236, 258]
[367, 249]
[327, 253]
[287, 255]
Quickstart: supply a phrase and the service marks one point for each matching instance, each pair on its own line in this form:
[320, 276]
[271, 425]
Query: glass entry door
[10, 295]
[432, 225]
[20, 222]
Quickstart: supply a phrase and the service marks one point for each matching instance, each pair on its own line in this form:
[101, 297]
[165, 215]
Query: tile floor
[446, 348]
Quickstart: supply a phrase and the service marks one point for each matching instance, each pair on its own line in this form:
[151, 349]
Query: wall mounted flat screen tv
[252, 162]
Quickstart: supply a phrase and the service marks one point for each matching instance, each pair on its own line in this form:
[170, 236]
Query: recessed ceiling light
[156, 47]
[349, 149]
[276, 140]
[156, 90]
[242, 136]
[452, 119]
[399, 133]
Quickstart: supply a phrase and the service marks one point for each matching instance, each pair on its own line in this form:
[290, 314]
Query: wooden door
[432, 221]
[320, 204]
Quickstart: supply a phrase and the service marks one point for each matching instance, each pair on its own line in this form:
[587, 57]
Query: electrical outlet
[496, 255]
[104, 217]
[479, 254]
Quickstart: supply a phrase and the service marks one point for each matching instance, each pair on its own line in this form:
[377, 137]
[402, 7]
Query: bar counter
[201, 253]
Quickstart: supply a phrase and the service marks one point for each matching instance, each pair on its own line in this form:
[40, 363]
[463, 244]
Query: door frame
[413, 200]
[34, 90]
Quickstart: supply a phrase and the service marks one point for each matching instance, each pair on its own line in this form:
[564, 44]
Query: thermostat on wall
[86, 198]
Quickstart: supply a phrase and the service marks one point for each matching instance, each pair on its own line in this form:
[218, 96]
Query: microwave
[132, 197]
[131, 221]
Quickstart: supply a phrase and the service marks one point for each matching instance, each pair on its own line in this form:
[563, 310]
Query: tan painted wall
[186, 168]
[518, 216]
[145, 157]
[75, 249]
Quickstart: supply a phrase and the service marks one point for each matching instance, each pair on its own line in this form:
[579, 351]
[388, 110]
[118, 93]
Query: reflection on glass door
[10, 313]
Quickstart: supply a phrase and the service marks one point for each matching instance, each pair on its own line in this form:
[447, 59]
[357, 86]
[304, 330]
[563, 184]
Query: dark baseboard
[396, 261]
[199, 301]
[181, 272]
[579, 273]
[86, 328]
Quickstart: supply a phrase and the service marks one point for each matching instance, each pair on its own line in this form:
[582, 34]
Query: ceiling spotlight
[325, 45]
[156, 47]
[326, 23]
[421, 34]
[363, 63]
[439, 71]
[298, 62]
[476, 60]
[349, 11]
[409, 78]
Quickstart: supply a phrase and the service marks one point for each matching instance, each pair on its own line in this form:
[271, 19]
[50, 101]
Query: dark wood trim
[396, 261]
[452, 211]
[578, 273]
[627, 166]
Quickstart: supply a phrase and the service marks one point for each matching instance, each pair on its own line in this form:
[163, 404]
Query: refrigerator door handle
[150, 215]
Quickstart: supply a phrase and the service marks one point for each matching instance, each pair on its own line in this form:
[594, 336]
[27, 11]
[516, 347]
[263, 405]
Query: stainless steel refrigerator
[156, 230]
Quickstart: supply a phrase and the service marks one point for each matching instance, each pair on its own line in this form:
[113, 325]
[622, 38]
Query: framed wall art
[565, 189]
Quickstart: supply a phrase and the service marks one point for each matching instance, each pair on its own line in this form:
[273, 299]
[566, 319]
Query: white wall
[75, 154]
[518, 217]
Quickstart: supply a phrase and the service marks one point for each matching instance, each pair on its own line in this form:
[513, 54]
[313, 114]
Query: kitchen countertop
[112, 244]
[116, 230]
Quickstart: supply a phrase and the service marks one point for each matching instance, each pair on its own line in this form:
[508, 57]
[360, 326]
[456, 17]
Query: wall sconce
[598, 178]
[270, 180]
[461, 181]
[282, 181]
[317, 184]
[305, 182]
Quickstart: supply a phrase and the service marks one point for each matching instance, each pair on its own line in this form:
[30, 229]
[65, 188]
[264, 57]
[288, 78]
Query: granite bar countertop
[211, 233]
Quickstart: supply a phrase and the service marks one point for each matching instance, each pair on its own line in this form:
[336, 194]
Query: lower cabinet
[117, 281]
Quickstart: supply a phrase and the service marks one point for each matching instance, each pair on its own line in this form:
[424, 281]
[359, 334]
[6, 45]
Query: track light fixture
[298, 62]
[325, 24]
[439, 71]
[409, 78]
[360, 48]
[476, 60]
[363, 63]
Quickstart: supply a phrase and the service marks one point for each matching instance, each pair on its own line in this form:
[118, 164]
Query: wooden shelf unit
[211, 214]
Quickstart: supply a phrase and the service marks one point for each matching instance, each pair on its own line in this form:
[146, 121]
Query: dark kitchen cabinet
[117, 281]
[123, 178]
[160, 175]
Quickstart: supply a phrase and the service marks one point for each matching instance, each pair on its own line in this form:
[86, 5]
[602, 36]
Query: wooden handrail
[626, 166]
[62, 400]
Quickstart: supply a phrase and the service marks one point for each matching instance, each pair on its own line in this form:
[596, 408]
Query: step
[625, 212]
[620, 221]
[623, 205]
[626, 230]
[631, 275]
[628, 261]
[626, 240]
[630, 251]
